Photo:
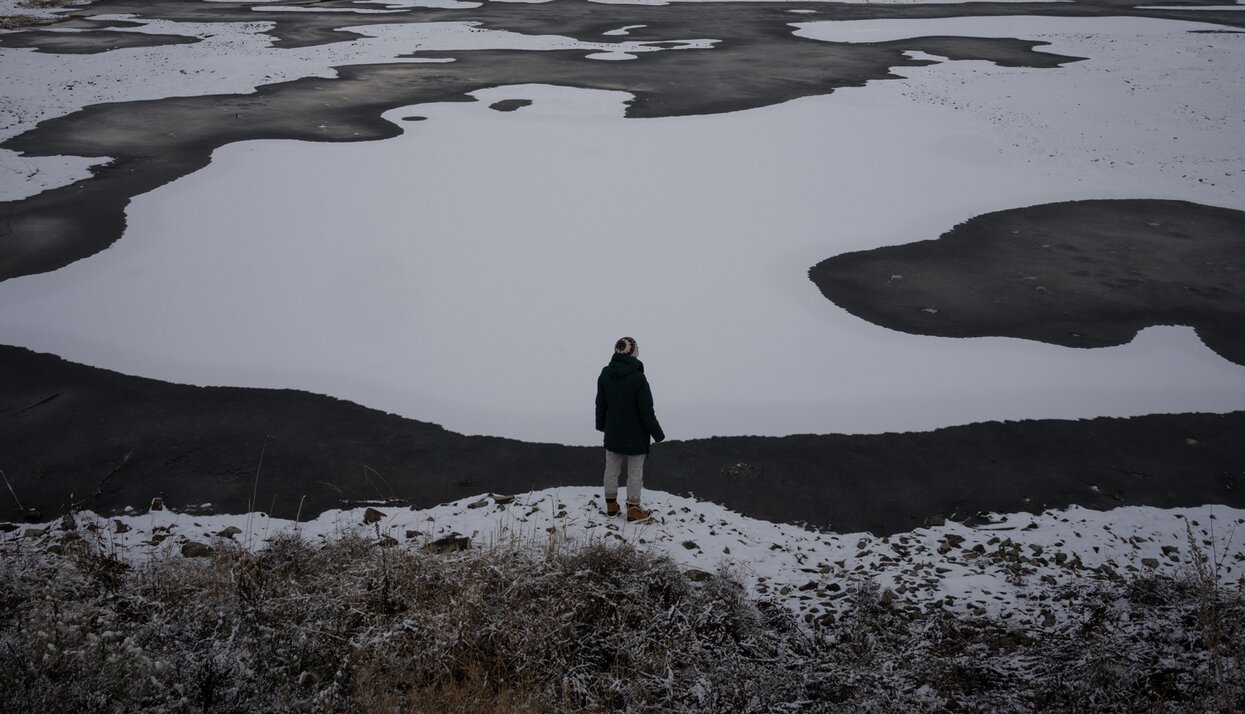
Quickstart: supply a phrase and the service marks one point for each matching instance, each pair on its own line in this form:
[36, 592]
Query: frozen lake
[476, 270]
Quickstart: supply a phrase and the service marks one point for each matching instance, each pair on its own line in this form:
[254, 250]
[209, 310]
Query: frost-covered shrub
[533, 627]
[349, 626]
[1148, 644]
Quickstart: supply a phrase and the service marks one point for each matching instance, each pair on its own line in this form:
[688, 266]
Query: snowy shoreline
[1007, 567]
[625, 618]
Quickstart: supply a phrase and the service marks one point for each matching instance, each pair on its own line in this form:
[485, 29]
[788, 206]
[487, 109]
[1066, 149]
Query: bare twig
[367, 468]
[15, 498]
[250, 506]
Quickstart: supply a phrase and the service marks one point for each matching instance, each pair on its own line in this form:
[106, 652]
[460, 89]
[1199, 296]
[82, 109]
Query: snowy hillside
[1008, 567]
[1106, 610]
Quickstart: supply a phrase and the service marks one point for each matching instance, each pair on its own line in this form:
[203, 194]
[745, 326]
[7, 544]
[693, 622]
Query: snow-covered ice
[229, 58]
[474, 271]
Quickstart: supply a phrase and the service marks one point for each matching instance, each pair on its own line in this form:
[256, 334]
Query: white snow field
[476, 271]
[1006, 569]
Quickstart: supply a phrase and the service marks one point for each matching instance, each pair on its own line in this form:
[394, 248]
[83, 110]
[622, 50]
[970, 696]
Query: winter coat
[625, 407]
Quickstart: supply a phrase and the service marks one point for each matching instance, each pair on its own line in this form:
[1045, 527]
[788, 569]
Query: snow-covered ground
[475, 271]
[1007, 569]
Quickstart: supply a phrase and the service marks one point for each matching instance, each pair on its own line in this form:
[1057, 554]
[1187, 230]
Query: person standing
[625, 413]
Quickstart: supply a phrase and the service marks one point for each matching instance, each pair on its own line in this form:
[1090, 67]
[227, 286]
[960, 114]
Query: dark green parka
[625, 407]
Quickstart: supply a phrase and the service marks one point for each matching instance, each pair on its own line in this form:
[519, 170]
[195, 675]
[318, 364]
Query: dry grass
[20, 22]
[355, 627]
[23, 21]
[47, 4]
[551, 626]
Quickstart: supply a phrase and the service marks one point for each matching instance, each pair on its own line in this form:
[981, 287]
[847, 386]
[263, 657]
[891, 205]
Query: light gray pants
[635, 475]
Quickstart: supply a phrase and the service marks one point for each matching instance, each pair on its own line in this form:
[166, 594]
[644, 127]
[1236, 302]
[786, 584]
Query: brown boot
[635, 514]
[611, 507]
